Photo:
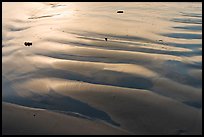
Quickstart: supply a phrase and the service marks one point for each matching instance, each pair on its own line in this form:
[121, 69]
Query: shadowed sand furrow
[53, 121]
[54, 101]
[191, 28]
[44, 16]
[187, 20]
[197, 15]
[184, 35]
[15, 28]
[158, 49]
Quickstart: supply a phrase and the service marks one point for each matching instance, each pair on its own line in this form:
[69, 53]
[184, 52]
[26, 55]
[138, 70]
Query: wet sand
[144, 79]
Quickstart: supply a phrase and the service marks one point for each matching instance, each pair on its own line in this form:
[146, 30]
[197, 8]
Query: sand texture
[91, 70]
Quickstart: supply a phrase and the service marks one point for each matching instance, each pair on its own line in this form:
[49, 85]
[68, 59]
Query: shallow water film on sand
[102, 68]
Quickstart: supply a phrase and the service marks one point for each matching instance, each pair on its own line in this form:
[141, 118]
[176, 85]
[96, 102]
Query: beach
[92, 70]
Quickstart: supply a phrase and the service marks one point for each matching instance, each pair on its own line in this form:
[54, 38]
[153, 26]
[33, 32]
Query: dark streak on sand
[64, 104]
[44, 16]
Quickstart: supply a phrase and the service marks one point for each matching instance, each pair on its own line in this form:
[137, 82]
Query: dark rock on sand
[27, 43]
[120, 11]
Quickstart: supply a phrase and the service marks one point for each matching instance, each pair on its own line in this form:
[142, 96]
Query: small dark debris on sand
[106, 39]
[120, 11]
[161, 41]
[27, 43]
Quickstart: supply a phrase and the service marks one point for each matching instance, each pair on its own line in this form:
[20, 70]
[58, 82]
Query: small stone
[120, 11]
[106, 39]
[27, 43]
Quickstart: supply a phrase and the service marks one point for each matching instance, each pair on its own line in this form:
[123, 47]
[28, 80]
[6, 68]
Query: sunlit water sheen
[154, 47]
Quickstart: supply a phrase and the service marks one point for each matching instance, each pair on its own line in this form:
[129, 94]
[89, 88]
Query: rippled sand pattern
[145, 79]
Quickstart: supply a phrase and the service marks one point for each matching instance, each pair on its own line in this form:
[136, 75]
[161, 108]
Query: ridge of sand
[24, 120]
